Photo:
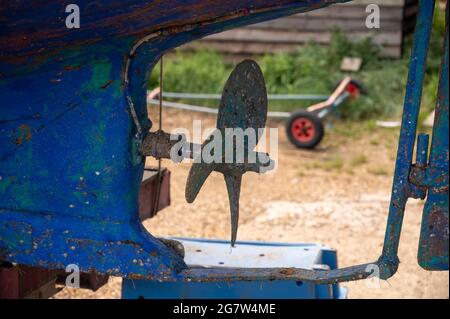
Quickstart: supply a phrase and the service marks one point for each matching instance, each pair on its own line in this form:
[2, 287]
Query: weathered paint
[433, 252]
[245, 262]
[433, 243]
[69, 164]
[243, 106]
[69, 188]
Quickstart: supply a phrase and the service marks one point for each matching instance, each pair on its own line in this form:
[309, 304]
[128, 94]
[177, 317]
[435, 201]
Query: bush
[201, 72]
[315, 69]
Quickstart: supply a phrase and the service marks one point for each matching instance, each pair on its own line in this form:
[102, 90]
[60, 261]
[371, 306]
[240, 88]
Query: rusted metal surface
[91, 281]
[243, 276]
[243, 106]
[73, 118]
[107, 20]
[19, 281]
[148, 192]
[400, 188]
[434, 241]
[225, 274]
[427, 177]
[160, 144]
[175, 245]
[24, 282]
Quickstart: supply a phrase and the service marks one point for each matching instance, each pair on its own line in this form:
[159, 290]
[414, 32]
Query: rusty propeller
[243, 106]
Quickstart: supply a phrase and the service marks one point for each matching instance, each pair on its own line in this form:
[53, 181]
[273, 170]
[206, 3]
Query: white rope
[205, 109]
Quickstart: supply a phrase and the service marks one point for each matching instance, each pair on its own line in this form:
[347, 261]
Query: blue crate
[203, 252]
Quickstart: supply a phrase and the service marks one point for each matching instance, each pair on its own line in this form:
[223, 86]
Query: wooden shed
[397, 19]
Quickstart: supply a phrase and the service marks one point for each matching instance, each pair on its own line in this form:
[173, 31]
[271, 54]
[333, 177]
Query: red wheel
[304, 129]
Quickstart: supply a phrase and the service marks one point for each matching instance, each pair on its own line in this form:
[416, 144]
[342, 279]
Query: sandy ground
[337, 195]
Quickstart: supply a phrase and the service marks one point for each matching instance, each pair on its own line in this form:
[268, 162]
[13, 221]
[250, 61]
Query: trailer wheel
[304, 129]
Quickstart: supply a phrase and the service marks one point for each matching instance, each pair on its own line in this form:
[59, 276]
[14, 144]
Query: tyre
[304, 129]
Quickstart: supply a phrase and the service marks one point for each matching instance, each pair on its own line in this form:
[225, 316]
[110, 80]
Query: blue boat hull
[69, 167]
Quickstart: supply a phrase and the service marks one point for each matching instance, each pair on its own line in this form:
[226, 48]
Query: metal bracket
[243, 106]
[160, 144]
[410, 181]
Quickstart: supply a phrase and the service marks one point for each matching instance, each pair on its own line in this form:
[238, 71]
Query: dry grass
[324, 196]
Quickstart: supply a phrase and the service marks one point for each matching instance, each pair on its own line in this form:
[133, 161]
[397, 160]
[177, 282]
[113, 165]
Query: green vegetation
[201, 72]
[315, 69]
[378, 170]
[329, 164]
[359, 160]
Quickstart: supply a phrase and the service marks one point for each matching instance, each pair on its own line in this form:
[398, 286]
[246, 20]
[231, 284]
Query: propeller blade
[243, 105]
[234, 189]
[198, 174]
[244, 99]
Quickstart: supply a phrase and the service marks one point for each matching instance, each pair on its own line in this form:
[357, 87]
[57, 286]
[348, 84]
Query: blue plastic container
[202, 252]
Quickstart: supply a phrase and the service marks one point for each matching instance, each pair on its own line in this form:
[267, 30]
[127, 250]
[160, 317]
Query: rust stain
[136, 276]
[438, 229]
[72, 67]
[130, 242]
[104, 86]
[287, 271]
[24, 134]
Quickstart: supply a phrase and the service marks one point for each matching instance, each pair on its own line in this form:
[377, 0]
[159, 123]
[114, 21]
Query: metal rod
[159, 178]
[408, 129]
[433, 242]
[231, 274]
[161, 90]
[213, 96]
[205, 109]
[422, 150]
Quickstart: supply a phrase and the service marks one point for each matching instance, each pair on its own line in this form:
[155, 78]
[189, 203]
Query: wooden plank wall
[286, 34]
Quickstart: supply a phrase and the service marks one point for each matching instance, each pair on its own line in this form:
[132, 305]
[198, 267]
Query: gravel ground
[337, 195]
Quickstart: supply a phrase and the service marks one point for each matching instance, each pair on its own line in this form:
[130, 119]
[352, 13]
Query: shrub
[315, 69]
[201, 72]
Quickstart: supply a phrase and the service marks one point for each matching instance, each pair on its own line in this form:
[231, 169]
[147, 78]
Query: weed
[378, 170]
[359, 160]
[329, 164]
[315, 69]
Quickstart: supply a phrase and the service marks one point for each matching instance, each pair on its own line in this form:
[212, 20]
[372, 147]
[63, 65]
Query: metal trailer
[304, 127]
[75, 132]
[213, 253]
